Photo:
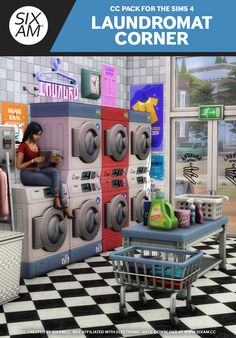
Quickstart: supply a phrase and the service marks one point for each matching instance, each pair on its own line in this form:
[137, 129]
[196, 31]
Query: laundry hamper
[212, 205]
[10, 264]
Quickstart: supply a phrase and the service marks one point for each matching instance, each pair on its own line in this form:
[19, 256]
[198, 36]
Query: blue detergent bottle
[192, 209]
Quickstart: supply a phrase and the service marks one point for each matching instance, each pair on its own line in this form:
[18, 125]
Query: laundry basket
[10, 264]
[212, 205]
[170, 270]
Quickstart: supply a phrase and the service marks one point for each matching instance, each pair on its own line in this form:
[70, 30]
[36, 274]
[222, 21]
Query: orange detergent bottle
[161, 214]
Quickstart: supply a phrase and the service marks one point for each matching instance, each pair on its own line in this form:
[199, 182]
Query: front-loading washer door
[116, 213]
[137, 206]
[86, 142]
[49, 230]
[116, 142]
[87, 220]
[141, 143]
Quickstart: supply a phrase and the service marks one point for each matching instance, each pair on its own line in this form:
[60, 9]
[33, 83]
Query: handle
[169, 209]
[225, 198]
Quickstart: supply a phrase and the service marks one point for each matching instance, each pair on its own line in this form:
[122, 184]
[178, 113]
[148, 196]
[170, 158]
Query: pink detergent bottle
[199, 212]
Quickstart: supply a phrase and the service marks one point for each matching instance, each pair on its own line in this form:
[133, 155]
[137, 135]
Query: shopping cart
[171, 270]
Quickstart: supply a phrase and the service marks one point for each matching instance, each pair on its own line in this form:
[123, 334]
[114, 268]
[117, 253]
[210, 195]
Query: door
[49, 230]
[137, 206]
[190, 157]
[87, 220]
[203, 160]
[225, 182]
[141, 142]
[86, 142]
[116, 213]
[116, 142]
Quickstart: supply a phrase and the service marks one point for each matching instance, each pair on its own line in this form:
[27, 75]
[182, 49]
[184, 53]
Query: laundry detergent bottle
[161, 214]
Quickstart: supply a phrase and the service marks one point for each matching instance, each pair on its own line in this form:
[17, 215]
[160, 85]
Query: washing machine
[115, 137]
[139, 139]
[139, 190]
[46, 241]
[72, 128]
[115, 200]
[85, 198]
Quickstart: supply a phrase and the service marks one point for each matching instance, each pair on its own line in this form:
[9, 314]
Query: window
[205, 80]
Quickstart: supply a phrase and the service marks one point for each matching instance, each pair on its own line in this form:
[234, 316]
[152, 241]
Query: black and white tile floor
[82, 300]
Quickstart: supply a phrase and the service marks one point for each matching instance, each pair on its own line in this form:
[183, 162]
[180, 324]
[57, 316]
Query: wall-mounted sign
[90, 84]
[57, 85]
[15, 114]
[109, 85]
[157, 167]
[149, 98]
[214, 112]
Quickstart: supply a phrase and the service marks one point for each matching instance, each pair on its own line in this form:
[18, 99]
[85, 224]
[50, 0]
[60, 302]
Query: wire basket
[212, 205]
[156, 268]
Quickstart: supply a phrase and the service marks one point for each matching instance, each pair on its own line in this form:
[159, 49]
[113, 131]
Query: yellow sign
[15, 114]
[148, 106]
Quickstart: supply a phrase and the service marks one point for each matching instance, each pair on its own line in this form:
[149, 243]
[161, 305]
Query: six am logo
[28, 25]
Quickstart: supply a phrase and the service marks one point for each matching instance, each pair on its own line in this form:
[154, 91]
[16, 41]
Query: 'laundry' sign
[58, 91]
[63, 87]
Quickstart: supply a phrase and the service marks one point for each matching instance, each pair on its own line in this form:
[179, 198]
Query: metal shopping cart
[170, 270]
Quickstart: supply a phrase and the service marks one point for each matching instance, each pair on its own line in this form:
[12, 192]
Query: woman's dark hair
[32, 128]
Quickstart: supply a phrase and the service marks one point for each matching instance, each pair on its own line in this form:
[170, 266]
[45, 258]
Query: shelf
[208, 263]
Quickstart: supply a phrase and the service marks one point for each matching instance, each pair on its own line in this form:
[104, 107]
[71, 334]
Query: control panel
[87, 187]
[87, 175]
[84, 181]
[118, 183]
[7, 144]
[48, 192]
[141, 179]
[114, 172]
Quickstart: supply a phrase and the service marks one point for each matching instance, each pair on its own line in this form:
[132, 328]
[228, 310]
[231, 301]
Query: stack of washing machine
[75, 130]
[139, 163]
[115, 161]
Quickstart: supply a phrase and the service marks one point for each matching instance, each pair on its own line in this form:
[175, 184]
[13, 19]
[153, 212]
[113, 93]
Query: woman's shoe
[68, 212]
[57, 203]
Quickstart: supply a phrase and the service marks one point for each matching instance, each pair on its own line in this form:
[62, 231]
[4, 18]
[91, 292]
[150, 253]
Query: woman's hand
[39, 159]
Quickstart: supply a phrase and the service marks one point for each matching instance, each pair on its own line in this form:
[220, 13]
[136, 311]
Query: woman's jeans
[44, 177]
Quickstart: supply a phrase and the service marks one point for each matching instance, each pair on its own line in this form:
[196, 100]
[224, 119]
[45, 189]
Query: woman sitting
[28, 157]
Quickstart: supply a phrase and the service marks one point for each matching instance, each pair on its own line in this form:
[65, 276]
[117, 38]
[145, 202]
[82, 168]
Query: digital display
[85, 175]
[86, 187]
[115, 172]
[140, 180]
[121, 172]
[115, 183]
[140, 170]
[48, 192]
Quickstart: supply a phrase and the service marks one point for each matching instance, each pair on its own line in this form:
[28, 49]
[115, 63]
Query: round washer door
[49, 230]
[141, 143]
[116, 213]
[86, 142]
[116, 142]
[137, 206]
[87, 220]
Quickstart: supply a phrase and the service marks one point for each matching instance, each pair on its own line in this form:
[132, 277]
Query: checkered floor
[82, 300]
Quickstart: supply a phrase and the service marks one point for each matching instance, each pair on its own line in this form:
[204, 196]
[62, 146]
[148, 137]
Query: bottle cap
[199, 201]
[160, 195]
[190, 200]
